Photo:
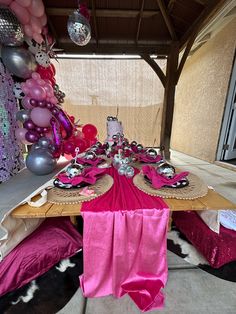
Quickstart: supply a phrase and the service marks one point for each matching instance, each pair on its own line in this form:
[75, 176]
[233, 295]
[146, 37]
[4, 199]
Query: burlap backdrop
[96, 89]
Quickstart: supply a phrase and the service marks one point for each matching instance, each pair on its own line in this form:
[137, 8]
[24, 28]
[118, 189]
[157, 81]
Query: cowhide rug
[48, 293]
[178, 244]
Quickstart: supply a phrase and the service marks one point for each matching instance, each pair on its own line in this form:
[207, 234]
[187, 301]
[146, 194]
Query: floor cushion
[53, 240]
[218, 249]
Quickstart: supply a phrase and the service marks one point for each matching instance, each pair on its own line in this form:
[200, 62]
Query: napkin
[158, 181]
[89, 175]
[146, 158]
[91, 162]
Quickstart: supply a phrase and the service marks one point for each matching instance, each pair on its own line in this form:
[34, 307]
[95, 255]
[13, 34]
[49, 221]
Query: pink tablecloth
[124, 244]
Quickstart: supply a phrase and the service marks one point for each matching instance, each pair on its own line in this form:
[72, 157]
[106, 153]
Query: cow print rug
[177, 243]
[48, 293]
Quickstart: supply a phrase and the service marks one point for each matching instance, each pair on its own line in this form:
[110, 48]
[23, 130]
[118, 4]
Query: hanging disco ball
[79, 29]
[11, 33]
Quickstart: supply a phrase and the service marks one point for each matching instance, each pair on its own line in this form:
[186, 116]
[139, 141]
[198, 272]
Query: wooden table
[212, 201]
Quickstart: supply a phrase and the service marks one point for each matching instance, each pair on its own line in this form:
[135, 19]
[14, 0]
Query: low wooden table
[212, 201]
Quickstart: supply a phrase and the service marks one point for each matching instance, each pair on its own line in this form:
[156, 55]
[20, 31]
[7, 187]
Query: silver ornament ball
[79, 29]
[151, 153]
[166, 170]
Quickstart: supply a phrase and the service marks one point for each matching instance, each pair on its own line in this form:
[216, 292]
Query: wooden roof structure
[143, 27]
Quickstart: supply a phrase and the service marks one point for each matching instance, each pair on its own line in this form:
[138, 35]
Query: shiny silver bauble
[166, 170]
[90, 155]
[79, 29]
[151, 152]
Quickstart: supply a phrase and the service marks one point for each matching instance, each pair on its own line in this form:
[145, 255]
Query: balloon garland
[43, 124]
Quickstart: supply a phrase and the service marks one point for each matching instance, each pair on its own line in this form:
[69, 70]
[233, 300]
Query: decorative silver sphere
[151, 152]
[140, 147]
[166, 170]
[133, 143]
[79, 29]
[109, 118]
[11, 33]
[90, 155]
[74, 170]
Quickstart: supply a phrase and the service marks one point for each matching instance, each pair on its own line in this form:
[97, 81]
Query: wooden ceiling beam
[167, 19]
[139, 21]
[95, 21]
[155, 67]
[104, 12]
[159, 50]
[210, 10]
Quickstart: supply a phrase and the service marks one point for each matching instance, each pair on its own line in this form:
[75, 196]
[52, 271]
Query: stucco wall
[201, 94]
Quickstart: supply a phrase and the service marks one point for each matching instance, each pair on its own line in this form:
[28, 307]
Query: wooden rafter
[139, 21]
[155, 67]
[201, 21]
[185, 55]
[167, 19]
[95, 21]
[104, 12]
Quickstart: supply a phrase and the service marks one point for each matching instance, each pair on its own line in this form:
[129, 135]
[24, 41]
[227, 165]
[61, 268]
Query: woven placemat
[196, 188]
[72, 196]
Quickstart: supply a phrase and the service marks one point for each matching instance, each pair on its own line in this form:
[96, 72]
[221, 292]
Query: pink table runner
[124, 245]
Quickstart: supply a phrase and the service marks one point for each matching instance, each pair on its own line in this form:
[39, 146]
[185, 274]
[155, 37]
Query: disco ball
[11, 33]
[79, 29]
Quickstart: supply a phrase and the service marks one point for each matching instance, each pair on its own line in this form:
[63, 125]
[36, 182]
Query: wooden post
[169, 98]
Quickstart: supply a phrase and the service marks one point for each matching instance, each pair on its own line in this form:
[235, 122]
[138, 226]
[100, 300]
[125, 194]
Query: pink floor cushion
[55, 239]
[218, 249]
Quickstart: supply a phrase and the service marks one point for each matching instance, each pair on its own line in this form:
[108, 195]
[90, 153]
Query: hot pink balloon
[41, 83]
[24, 3]
[20, 136]
[38, 92]
[36, 8]
[41, 116]
[24, 88]
[49, 89]
[53, 100]
[21, 13]
[26, 102]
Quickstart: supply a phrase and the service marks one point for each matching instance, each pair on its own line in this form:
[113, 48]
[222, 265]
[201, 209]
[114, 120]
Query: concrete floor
[189, 290]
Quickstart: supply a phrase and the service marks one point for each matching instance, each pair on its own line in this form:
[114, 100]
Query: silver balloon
[23, 115]
[44, 142]
[166, 170]
[11, 33]
[19, 61]
[79, 29]
[40, 162]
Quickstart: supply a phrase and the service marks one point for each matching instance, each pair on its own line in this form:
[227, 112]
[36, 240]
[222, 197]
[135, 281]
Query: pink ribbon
[91, 162]
[146, 158]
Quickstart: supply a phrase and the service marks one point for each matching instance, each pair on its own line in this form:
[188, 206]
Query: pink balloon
[24, 3]
[21, 13]
[38, 38]
[41, 83]
[36, 76]
[43, 19]
[24, 88]
[53, 100]
[30, 83]
[38, 92]
[48, 88]
[28, 30]
[41, 116]
[35, 24]
[20, 136]
[36, 8]
[6, 2]
[26, 102]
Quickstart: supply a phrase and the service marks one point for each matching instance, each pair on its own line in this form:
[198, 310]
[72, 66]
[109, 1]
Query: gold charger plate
[196, 188]
[72, 196]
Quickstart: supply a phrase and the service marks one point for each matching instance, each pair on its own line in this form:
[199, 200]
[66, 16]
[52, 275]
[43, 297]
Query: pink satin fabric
[146, 158]
[89, 175]
[85, 161]
[124, 245]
